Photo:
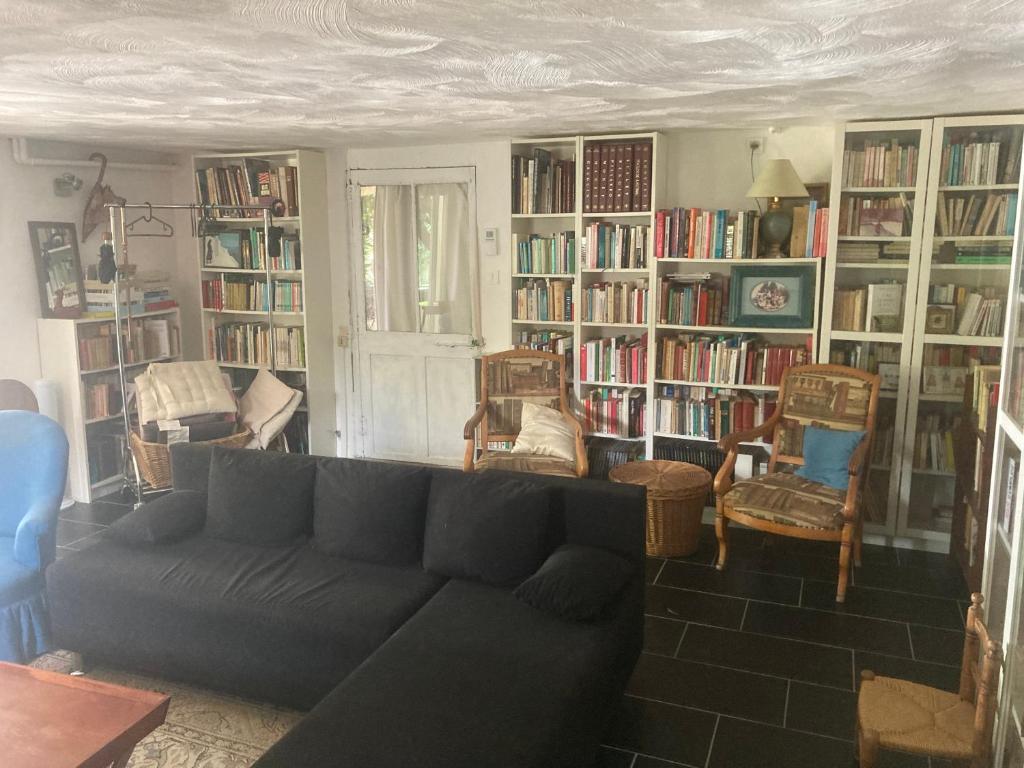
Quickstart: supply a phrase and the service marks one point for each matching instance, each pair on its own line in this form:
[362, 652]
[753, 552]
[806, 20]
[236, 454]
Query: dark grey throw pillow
[576, 582]
[259, 497]
[485, 528]
[370, 511]
[163, 520]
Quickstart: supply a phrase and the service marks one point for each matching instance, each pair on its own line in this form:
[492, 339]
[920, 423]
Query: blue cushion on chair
[827, 455]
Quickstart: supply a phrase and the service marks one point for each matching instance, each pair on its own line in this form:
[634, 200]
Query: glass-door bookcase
[1004, 567]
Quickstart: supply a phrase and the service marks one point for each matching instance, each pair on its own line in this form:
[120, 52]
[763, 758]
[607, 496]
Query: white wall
[29, 197]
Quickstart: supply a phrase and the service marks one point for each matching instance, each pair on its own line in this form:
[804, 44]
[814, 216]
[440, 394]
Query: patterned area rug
[203, 729]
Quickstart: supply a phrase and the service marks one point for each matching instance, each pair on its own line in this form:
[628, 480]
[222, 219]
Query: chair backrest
[15, 396]
[509, 378]
[829, 396]
[979, 679]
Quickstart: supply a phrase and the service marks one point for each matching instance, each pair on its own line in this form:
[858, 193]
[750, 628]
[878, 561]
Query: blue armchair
[33, 469]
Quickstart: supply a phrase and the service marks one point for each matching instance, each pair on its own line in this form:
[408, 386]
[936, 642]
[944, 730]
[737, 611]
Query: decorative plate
[769, 296]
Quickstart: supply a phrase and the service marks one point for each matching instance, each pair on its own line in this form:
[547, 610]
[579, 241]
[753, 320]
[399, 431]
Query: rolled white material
[48, 396]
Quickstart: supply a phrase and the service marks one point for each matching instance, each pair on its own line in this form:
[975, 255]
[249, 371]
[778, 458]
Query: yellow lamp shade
[777, 179]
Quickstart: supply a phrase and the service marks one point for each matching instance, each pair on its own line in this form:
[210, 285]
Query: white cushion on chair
[545, 432]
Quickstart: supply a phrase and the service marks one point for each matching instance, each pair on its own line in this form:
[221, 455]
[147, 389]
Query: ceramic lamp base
[775, 227]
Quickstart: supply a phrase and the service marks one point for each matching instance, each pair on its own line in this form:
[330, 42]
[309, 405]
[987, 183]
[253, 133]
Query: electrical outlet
[754, 145]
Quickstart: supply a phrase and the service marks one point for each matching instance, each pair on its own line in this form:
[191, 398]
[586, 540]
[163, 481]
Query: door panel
[447, 407]
[395, 385]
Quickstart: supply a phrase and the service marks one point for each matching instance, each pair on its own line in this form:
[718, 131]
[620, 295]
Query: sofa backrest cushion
[259, 498]
[370, 511]
[486, 528]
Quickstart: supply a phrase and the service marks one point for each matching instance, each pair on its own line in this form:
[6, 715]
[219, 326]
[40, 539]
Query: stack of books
[238, 293]
[290, 256]
[875, 307]
[617, 412]
[543, 184]
[615, 246]
[981, 315]
[880, 164]
[809, 236]
[617, 177]
[710, 414]
[545, 254]
[881, 449]
[880, 358]
[614, 360]
[876, 216]
[695, 233]
[986, 253]
[102, 399]
[249, 344]
[253, 182]
[694, 299]
[290, 346]
[933, 448]
[547, 300]
[988, 157]
[105, 455]
[99, 299]
[990, 213]
[616, 302]
[288, 295]
[726, 360]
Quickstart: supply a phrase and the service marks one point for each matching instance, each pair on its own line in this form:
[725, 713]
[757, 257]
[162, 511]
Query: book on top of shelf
[879, 163]
[542, 183]
[694, 233]
[876, 216]
[978, 156]
[617, 176]
[251, 182]
[975, 214]
[694, 299]
[611, 411]
[615, 246]
[726, 360]
[614, 360]
[544, 299]
[545, 254]
[709, 414]
[616, 302]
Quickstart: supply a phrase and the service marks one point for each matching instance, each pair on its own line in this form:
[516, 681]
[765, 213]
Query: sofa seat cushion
[782, 497]
[523, 462]
[475, 678]
[285, 624]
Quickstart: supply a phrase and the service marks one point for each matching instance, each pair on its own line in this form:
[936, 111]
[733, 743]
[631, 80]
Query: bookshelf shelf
[135, 315]
[112, 368]
[614, 270]
[734, 329]
[730, 262]
[559, 275]
[709, 385]
[874, 238]
[975, 187]
[299, 177]
[878, 190]
[552, 323]
[873, 265]
[543, 215]
[873, 336]
[619, 384]
[107, 481]
[619, 215]
[613, 436]
[675, 436]
[594, 324]
[973, 239]
[102, 419]
[964, 341]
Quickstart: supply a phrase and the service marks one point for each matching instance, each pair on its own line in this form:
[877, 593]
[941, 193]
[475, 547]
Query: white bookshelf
[61, 361]
[311, 227]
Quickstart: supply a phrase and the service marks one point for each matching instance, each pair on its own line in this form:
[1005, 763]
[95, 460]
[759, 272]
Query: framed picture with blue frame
[772, 296]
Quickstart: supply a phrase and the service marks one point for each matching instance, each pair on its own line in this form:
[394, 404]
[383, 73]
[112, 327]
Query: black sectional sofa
[426, 617]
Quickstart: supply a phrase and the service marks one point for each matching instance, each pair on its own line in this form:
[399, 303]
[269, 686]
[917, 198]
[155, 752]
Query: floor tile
[926, 673]
[918, 581]
[769, 655]
[941, 646]
[857, 632]
[662, 731]
[643, 761]
[614, 758]
[652, 565]
[69, 531]
[825, 711]
[884, 604]
[797, 565]
[731, 581]
[661, 636]
[120, 496]
[939, 562]
[88, 541]
[732, 692]
[100, 512]
[696, 606]
[742, 744]
[871, 554]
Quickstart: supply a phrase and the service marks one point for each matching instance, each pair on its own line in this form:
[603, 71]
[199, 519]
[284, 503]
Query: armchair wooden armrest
[730, 444]
[858, 459]
[469, 433]
[582, 467]
[856, 467]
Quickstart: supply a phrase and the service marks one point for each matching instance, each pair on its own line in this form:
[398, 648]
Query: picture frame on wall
[58, 269]
[772, 296]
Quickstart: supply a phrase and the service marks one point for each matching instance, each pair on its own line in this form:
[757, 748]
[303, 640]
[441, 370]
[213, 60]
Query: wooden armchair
[829, 396]
[909, 717]
[507, 379]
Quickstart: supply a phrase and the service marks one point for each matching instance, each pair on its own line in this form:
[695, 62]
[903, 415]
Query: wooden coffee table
[50, 720]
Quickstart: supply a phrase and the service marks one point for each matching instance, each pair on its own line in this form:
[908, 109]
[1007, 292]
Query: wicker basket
[154, 459]
[676, 492]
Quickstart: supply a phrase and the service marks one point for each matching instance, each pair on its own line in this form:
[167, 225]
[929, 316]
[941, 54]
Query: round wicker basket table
[676, 492]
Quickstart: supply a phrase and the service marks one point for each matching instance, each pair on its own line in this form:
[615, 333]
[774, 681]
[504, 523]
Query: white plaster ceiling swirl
[270, 72]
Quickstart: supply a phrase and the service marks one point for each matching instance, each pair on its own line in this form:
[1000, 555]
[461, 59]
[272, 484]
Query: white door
[417, 313]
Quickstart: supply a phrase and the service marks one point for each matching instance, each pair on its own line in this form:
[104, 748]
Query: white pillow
[545, 432]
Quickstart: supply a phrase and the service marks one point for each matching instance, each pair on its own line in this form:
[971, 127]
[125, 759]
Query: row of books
[243, 294]
[981, 157]
[105, 455]
[617, 177]
[145, 293]
[546, 300]
[874, 307]
[933, 446]
[253, 182]
[876, 216]
[152, 338]
[982, 315]
[709, 414]
[250, 344]
[809, 236]
[625, 302]
[102, 399]
[540, 254]
[985, 392]
[696, 233]
[883, 359]
[726, 360]
[882, 448]
[975, 312]
[880, 164]
[558, 342]
[288, 256]
[542, 183]
[859, 253]
[990, 213]
[615, 246]
[695, 299]
[974, 253]
[959, 356]
[614, 360]
[617, 412]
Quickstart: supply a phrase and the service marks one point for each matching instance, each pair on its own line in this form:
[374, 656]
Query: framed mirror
[58, 268]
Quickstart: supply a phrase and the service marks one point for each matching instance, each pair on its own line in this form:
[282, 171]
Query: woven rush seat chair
[507, 381]
[829, 397]
[909, 717]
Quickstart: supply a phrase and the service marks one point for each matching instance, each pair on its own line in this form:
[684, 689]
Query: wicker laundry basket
[676, 492]
[154, 459]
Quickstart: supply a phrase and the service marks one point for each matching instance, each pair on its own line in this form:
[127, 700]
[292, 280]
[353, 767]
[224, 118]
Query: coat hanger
[166, 229]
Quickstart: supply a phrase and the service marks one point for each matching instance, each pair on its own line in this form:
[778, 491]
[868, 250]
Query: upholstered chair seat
[787, 499]
[538, 465]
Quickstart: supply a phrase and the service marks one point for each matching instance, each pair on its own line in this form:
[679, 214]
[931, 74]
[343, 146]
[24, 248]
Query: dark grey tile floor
[757, 666]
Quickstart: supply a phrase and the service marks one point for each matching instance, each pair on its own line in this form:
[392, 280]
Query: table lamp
[777, 179]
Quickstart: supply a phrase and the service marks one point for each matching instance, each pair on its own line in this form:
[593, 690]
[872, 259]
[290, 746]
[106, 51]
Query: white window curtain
[445, 238]
[396, 283]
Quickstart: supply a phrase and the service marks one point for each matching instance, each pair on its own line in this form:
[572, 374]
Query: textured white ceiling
[270, 72]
